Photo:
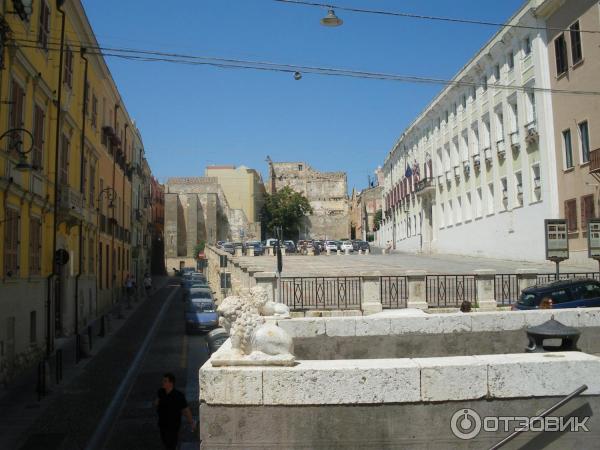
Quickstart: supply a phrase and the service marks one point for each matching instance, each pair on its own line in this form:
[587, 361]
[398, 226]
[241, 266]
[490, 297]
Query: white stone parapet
[404, 380]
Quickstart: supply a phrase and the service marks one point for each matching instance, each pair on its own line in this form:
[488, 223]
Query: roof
[557, 284]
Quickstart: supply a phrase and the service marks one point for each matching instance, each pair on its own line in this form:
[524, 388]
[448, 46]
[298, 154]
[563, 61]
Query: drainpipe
[112, 242]
[123, 197]
[54, 272]
[81, 188]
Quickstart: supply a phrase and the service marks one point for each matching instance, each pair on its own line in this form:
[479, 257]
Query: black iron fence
[506, 288]
[393, 292]
[304, 293]
[450, 290]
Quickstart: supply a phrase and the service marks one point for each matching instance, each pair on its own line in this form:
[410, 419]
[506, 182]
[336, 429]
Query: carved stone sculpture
[253, 340]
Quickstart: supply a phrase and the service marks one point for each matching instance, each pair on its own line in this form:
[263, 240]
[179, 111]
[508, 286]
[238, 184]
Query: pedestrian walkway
[20, 402]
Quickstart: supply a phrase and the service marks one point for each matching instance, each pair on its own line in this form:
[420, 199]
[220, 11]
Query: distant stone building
[327, 193]
[244, 191]
[197, 210]
[364, 206]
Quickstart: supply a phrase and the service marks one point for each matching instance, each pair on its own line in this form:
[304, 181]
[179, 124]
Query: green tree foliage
[285, 208]
[377, 220]
[199, 248]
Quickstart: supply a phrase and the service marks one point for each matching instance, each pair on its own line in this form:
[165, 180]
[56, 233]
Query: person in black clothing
[170, 405]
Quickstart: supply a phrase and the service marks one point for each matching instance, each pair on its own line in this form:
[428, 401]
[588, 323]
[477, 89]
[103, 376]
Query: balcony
[424, 187]
[595, 161]
[487, 154]
[514, 141]
[466, 168]
[70, 205]
[476, 161]
[501, 149]
[531, 132]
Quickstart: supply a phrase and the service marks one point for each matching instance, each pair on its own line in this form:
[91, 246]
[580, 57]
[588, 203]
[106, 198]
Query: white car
[330, 245]
[347, 245]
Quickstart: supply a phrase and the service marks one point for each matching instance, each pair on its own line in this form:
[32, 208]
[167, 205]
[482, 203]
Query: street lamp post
[15, 136]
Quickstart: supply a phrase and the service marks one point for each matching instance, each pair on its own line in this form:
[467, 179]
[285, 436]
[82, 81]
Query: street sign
[557, 239]
[594, 238]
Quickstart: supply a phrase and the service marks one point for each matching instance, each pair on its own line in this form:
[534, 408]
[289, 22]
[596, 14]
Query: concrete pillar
[371, 293]
[250, 251]
[484, 283]
[367, 251]
[338, 252]
[238, 251]
[526, 278]
[416, 289]
[282, 251]
[311, 251]
[268, 281]
[328, 252]
[346, 251]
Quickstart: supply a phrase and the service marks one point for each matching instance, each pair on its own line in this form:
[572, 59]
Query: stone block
[569, 317]
[340, 326]
[343, 382]
[336, 313]
[304, 327]
[496, 321]
[431, 324]
[541, 374]
[231, 385]
[589, 317]
[351, 312]
[372, 326]
[296, 314]
[452, 378]
[371, 308]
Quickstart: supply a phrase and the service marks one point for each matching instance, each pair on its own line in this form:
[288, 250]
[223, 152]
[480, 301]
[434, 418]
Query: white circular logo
[465, 424]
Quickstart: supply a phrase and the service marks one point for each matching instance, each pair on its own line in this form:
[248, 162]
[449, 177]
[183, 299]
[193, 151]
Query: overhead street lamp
[331, 20]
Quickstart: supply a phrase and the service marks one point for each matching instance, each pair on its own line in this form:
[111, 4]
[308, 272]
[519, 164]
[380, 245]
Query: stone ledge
[381, 381]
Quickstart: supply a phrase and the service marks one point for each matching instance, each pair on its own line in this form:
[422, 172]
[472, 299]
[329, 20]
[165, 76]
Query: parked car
[201, 316]
[331, 245]
[201, 293]
[228, 247]
[258, 247]
[573, 293]
[319, 246]
[270, 242]
[220, 244]
[216, 338]
[290, 247]
[361, 245]
[347, 245]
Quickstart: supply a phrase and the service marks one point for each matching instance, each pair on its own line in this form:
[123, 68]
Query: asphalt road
[73, 418]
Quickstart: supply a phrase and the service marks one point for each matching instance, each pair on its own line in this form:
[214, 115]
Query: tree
[285, 209]
[199, 248]
[377, 220]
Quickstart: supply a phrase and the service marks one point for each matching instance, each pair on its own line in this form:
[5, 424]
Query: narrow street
[78, 415]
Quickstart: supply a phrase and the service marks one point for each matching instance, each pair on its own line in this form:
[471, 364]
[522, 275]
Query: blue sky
[193, 116]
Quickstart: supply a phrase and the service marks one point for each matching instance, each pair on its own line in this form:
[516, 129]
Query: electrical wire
[424, 17]
[230, 63]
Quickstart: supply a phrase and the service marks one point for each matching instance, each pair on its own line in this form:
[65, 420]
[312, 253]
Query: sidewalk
[20, 404]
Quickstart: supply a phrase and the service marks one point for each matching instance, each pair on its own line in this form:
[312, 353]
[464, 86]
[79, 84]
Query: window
[499, 126]
[100, 268]
[537, 182]
[559, 296]
[478, 203]
[510, 60]
[584, 138]
[12, 224]
[449, 212]
[468, 212]
[38, 137]
[91, 256]
[32, 327]
[15, 118]
[587, 210]
[86, 99]
[527, 46]
[459, 207]
[94, 111]
[530, 107]
[442, 215]
[44, 25]
[68, 74]
[567, 148]
[586, 291]
[35, 246]
[571, 214]
[63, 171]
[92, 181]
[519, 189]
[576, 51]
[463, 101]
[560, 49]
[497, 72]
[484, 83]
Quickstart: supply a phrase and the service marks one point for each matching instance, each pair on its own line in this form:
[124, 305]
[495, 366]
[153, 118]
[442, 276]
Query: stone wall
[327, 193]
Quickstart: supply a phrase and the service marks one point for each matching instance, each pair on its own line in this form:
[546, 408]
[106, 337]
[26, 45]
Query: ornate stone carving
[254, 340]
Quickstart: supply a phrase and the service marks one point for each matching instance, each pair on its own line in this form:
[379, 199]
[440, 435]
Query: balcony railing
[595, 161]
[424, 186]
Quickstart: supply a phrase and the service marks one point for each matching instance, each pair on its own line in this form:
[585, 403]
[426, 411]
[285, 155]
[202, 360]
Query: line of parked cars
[200, 309]
[302, 246]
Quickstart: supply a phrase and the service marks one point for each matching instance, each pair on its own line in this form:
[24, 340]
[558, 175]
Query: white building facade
[474, 174]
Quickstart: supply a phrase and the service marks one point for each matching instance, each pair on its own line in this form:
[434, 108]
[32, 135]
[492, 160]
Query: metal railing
[450, 290]
[506, 288]
[595, 161]
[393, 292]
[324, 293]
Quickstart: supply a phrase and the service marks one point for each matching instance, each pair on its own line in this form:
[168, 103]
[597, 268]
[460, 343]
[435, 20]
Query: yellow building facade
[65, 221]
